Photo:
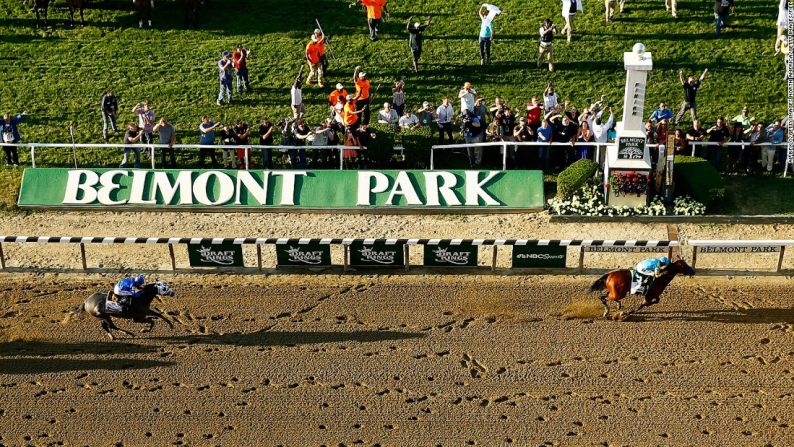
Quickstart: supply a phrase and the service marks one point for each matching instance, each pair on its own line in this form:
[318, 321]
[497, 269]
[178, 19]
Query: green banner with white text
[260, 190]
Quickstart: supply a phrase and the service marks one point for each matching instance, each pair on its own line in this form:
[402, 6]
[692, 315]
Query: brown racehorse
[76, 5]
[41, 7]
[617, 283]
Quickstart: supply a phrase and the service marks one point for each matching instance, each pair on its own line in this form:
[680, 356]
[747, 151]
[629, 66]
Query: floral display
[627, 183]
[589, 201]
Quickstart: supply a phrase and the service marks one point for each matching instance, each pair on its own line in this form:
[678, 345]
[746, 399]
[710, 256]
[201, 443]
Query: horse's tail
[599, 284]
[74, 313]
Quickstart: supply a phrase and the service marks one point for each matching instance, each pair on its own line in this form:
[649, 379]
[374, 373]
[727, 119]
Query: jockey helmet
[664, 260]
[139, 280]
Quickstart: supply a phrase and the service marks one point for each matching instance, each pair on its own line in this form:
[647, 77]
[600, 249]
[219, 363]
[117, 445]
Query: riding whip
[333, 56]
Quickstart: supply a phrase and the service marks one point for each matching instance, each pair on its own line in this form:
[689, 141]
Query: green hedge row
[698, 178]
[575, 176]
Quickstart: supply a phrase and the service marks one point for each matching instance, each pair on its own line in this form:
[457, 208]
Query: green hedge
[698, 178]
[575, 176]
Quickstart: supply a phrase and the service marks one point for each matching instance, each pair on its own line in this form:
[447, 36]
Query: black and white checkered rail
[334, 241]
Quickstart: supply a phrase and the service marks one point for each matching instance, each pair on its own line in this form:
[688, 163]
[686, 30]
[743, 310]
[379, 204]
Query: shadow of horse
[729, 316]
[288, 338]
[34, 365]
[48, 349]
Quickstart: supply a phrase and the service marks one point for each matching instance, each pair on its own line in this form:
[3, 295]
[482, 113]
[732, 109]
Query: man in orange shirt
[362, 94]
[337, 97]
[350, 115]
[313, 57]
[375, 11]
[322, 40]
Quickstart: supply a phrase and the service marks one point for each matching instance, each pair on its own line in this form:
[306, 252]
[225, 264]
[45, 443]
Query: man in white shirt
[387, 115]
[409, 120]
[600, 128]
[445, 114]
[467, 96]
[296, 95]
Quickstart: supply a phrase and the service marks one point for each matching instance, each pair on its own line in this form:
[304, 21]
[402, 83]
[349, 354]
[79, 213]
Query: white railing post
[504, 156]
[694, 146]
[341, 158]
[432, 158]
[246, 157]
[151, 152]
[32, 156]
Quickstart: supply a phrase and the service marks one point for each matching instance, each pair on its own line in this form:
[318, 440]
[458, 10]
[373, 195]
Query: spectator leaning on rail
[225, 78]
[109, 106]
[207, 130]
[720, 135]
[131, 138]
[691, 86]
[776, 134]
[10, 133]
[695, 134]
[240, 61]
[758, 144]
[166, 134]
[241, 133]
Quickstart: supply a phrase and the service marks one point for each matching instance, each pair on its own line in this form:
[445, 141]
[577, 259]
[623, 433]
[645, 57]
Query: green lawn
[58, 74]
[757, 194]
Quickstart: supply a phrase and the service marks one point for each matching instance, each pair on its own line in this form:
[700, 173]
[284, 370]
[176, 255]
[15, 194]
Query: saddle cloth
[636, 283]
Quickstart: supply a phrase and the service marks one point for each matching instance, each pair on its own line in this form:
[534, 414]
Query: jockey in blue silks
[651, 268]
[126, 291]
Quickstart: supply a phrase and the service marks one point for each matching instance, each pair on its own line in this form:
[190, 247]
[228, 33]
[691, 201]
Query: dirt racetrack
[399, 360]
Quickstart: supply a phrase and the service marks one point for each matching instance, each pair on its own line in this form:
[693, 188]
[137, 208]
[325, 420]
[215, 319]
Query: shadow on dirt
[282, 338]
[739, 316]
[48, 348]
[32, 365]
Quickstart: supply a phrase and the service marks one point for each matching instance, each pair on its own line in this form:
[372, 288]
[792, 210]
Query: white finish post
[32, 156]
[151, 152]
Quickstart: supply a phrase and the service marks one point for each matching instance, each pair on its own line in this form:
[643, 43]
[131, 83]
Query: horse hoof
[111, 336]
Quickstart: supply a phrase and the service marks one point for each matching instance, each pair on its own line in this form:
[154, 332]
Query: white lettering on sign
[765, 249]
[225, 188]
[365, 187]
[109, 185]
[403, 187]
[305, 257]
[288, 186]
[539, 256]
[475, 191]
[452, 257]
[441, 183]
[80, 181]
[182, 183]
[216, 257]
[380, 257]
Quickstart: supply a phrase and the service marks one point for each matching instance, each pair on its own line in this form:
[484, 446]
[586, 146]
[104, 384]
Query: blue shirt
[225, 75]
[128, 287]
[207, 137]
[486, 31]
[544, 135]
[11, 127]
[776, 136]
[658, 115]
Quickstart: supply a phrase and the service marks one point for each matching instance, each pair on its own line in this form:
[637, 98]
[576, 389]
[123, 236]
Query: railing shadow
[287, 338]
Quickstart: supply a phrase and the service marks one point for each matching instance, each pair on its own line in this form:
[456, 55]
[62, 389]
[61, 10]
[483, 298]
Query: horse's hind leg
[106, 328]
[112, 325]
[603, 299]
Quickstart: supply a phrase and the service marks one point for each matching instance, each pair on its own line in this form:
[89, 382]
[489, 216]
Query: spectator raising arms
[362, 94]
[415, 32]
[314, 50]
[487, 13]
[375, 11]
[266, 139]
[10, 132]
[691, 86]
[131, 138]
[296, 96]
[207, 131]
[146, 120]
[467, 97]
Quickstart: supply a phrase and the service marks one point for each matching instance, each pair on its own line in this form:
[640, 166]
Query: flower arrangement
[626, 183]
[589, 201]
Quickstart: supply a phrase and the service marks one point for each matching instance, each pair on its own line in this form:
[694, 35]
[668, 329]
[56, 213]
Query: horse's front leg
[160, 316]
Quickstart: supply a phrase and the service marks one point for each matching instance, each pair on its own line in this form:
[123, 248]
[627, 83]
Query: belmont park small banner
[263, 190]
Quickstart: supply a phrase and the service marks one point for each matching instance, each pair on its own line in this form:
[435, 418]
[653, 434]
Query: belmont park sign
[271, 190]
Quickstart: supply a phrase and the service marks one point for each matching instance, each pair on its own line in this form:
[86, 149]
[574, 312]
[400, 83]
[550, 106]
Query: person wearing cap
[398, 97]
[744, 118]
[467, 96]
[662, 113]
[321, 40]
[225, 78]
[240, 60]
[362, 94]
[426, 115]
[350, 117]
[408, 120]
[314, 59]
[415, 39]
[375, 11]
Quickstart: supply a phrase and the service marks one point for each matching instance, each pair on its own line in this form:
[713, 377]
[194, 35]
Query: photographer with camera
[547, 32]
[240, 60]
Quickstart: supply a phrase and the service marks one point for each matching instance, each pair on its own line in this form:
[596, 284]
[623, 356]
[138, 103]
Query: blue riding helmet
[139, 280]
[664, 260]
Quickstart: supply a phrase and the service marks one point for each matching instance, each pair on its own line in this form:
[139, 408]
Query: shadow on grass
[771, 195]
[55, 365]
[47, 348]
[284, 338]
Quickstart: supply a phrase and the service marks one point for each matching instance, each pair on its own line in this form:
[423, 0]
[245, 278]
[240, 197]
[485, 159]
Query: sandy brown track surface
[410, 360]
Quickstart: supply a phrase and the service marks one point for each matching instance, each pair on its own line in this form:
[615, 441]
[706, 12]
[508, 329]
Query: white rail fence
[150, 149]
[740, 247]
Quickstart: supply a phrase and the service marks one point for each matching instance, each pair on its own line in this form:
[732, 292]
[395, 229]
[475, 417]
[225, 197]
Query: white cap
[362, 74]
[339, 86]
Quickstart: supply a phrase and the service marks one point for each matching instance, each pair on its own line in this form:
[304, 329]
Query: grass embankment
[58, 74]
